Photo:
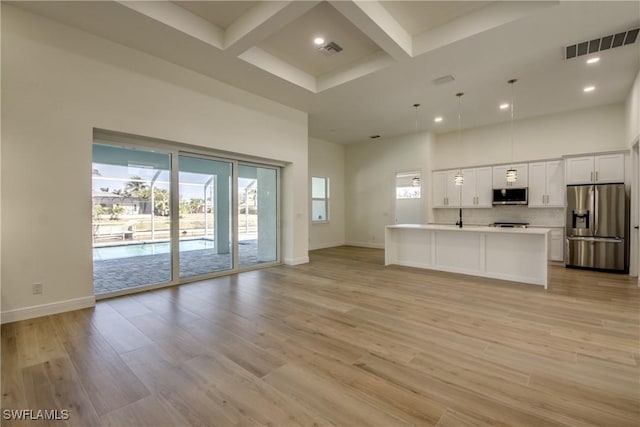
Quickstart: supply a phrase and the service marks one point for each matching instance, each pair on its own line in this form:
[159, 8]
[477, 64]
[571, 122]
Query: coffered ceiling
[392, 51]
[219, 13]
[293, 43]
[418, 17]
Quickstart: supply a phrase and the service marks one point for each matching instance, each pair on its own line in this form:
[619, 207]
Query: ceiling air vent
[602, 43]
[330, 48]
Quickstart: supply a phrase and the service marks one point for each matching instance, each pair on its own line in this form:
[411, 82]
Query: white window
[319, 199]
[408, 185]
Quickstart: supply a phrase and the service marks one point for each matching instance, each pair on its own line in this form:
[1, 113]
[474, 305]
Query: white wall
[632, 112]
[326, 159]
[58, 84]
[370, 183]
[543, 137]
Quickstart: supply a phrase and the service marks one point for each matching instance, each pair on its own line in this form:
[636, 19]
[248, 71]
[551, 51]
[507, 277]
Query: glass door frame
[175, 225]
[278, 259]
[175, 151]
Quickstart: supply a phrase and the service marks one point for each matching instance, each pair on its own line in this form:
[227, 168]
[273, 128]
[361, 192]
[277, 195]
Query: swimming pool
[153, 248]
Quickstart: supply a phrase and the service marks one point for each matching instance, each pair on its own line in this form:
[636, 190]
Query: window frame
[321, 199]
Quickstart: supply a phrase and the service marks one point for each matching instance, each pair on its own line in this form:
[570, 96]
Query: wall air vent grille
[330, 48]
[603, 43]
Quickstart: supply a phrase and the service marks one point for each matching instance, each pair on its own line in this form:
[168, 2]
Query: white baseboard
[47, 309]
[366, 245]
[296, 261]
[326, 245]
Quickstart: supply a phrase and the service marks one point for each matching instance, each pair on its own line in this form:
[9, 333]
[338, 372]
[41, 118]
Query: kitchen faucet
[459, 223]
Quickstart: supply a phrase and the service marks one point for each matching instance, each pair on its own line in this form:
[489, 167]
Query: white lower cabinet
[557, 244]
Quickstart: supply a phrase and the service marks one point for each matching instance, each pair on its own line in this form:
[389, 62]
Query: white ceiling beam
[261, 21]
[179, 18]
[352, 71]
[484, 19]
[374, 20]
[267, 62]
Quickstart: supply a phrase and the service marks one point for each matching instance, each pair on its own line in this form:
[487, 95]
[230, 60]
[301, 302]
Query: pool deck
[113, 275]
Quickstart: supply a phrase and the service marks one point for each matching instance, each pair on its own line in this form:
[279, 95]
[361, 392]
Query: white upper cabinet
[556, 189]
[438, 190]
[598, 169]
[500, 176]
[445, 193]
[477, 191]
[546, 184]
[609, 168]
[537, 184]
[580, 170]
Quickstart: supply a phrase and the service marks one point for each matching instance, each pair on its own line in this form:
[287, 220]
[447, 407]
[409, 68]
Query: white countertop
[471, 228]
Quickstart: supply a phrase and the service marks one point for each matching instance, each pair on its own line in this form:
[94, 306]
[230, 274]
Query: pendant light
[415, 182]
[459, 178]
[512, 173]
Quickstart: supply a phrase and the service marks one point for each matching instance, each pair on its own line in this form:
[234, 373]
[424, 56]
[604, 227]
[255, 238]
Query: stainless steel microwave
[510, 196]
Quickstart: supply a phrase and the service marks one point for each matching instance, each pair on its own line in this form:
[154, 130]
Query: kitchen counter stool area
[515, 254]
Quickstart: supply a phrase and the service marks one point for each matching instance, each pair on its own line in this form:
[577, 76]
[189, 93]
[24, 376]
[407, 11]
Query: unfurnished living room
[336, 213]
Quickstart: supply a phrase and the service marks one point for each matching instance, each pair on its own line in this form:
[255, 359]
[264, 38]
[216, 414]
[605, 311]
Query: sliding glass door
[257, 215]
[161, 216]
[131, 218]
[205, 216]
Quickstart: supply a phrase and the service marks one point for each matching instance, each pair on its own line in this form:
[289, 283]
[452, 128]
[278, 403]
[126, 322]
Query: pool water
[142, 249]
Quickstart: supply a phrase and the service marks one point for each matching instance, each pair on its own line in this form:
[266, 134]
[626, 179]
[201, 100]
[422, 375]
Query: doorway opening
[408, 197]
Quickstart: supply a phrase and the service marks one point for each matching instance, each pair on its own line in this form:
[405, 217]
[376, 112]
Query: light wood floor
[339, 341]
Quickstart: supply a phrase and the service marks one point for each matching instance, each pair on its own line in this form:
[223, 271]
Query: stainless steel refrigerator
[597, 227]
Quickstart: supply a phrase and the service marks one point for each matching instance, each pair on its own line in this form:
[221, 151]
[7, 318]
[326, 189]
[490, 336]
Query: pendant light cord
[512, 82]
[459, 95]
[461, 178]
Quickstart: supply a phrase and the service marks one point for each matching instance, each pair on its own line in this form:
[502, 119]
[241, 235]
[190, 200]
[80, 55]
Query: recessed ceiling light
[437, 119]
[318, 41]
[504, 106]
[593, 60]
[589, 89]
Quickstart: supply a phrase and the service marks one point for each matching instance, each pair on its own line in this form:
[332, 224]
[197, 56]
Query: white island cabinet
[515, 254]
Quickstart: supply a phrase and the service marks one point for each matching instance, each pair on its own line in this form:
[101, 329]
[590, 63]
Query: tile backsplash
[549, 217]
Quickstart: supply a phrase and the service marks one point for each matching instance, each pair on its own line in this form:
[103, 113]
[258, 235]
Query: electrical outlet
[36, 288]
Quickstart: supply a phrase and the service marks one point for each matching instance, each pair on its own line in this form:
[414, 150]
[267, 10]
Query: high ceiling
[392, 52]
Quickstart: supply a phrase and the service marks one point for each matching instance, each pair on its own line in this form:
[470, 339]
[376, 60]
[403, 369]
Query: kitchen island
[515, 254]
